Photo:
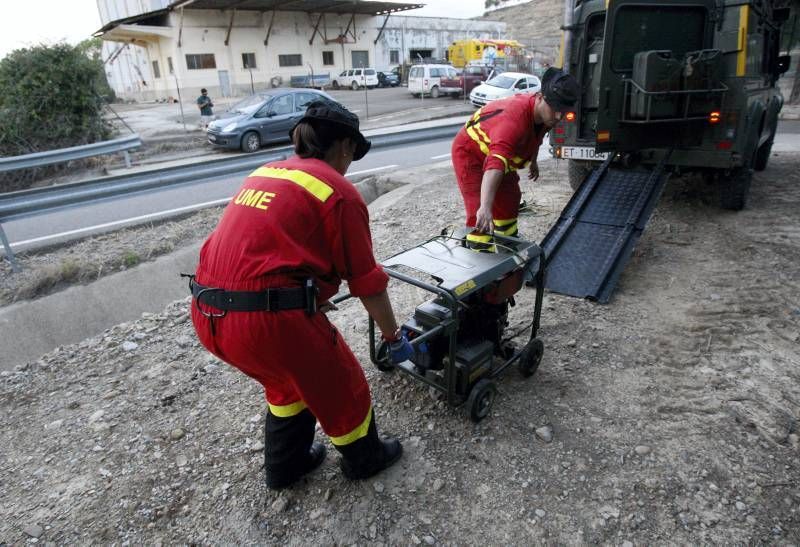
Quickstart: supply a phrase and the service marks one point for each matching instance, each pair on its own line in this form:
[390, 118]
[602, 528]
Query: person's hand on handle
[483, 220]
[400, 350]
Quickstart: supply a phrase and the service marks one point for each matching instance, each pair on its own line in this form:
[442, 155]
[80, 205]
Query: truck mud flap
[592, 241]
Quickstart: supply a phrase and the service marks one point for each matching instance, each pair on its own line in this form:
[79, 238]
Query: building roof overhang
[338, 7]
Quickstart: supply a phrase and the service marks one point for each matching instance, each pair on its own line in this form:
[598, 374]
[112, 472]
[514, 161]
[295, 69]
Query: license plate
[582, 153]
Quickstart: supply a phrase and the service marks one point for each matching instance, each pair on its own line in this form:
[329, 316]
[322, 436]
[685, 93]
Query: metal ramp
[589, 246]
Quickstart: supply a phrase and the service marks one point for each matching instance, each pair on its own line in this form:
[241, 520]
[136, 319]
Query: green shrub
[51, 96]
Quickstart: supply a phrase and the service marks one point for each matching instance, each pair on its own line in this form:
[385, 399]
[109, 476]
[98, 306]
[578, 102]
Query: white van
[355, 78]
[426, 78]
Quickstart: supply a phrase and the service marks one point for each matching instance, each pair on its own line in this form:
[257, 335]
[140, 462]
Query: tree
[51, 96]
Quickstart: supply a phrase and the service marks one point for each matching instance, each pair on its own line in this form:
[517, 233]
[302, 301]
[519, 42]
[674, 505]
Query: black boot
[289, 448]
[369, 455]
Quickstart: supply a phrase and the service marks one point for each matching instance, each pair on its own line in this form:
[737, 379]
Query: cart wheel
[382, 357]
[480, 399]
[531, 357]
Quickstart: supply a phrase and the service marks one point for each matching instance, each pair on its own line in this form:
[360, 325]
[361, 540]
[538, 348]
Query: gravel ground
[668, 416]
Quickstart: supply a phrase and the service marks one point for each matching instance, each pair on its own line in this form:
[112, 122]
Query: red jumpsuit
[501, 135]
[291, 220]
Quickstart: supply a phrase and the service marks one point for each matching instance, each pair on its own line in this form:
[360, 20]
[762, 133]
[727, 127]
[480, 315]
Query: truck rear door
[627, 118]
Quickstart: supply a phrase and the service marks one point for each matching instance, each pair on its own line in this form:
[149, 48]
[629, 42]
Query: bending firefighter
[499, 139]
[295, 229]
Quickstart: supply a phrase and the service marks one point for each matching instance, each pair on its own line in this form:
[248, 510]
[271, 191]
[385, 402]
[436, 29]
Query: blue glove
[400, 350]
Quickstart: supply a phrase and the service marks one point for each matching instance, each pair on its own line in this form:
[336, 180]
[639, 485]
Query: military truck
[685, 84]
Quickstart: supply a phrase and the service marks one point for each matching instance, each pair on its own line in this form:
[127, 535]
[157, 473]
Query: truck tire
[435, 92]
[762, 154]
[734, 191]
[577, 171]
[335, 84]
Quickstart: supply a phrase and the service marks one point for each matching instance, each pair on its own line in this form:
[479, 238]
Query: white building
[235, 46]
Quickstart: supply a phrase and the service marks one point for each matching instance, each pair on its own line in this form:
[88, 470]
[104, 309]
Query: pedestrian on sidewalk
[205, 105]
[499, 139]
[294, 231]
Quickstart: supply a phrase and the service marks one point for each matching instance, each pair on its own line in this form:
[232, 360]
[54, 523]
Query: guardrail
[26, 203]
[62, 155]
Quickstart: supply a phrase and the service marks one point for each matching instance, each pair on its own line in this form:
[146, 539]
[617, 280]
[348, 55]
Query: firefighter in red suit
[292, 233]
[499, 139]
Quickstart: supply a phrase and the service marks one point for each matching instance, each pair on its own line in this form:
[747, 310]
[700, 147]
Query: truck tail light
[424, 83]
[714, 117]
[603, 136]
[569, 116]
[559, 130]
[724, 145]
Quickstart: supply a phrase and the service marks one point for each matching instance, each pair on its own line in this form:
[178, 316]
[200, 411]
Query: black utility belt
[271, 299]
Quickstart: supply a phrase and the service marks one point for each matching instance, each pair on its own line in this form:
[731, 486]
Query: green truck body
[695, 79]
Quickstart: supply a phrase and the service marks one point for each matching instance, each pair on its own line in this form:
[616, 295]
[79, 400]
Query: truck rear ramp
[589, 246]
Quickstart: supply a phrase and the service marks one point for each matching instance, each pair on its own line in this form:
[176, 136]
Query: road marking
[440, 156]
[124, 221]
[370, 170]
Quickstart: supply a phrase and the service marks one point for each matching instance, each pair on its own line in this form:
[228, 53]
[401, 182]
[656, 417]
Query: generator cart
[459, 334]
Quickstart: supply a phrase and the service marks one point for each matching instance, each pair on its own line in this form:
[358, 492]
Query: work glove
[400, 350]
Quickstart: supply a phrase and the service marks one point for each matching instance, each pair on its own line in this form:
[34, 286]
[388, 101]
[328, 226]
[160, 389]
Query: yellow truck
[463, 52]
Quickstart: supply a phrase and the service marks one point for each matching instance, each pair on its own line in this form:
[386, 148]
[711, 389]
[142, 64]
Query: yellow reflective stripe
[504, 222]
[479, 238]
[319, 189]
[741, 57]
[482, 133]
[505, 162]
[474, 136]
[287, 411]
[507, 227]
[359, 432]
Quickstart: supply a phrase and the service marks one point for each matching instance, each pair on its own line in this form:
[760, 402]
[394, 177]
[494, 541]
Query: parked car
[470, 78]
[388, 79]
[355, 78]
[262, 118]
[426, 79]
[504, 85]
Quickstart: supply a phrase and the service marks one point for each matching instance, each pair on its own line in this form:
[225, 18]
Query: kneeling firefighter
[295, 229]
[496, 141]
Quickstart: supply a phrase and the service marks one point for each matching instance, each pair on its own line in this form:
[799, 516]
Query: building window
[290, 60]
[327, 58]
[156, 71]
[394, 56]
[249, 60]
[169, 65]
[198, 61]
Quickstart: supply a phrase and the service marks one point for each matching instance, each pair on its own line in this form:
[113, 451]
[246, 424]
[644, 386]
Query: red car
[474, 75]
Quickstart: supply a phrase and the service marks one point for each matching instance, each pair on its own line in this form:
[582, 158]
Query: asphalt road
[110, 214]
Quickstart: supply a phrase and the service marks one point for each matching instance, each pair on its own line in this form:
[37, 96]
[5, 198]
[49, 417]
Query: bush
[50, 97]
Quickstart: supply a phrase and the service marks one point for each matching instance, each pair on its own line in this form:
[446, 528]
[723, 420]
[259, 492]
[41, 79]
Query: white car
[355, 78]
[426, 79]
[504, 85]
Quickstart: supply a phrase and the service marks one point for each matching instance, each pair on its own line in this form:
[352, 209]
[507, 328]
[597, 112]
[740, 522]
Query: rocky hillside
[537, 24]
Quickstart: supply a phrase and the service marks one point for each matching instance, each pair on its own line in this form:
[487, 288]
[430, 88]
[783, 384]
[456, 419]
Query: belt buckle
[209, 314]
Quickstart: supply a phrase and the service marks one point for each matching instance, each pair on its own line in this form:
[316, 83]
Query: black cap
[560, 89]
[336, 114]
[204, 90]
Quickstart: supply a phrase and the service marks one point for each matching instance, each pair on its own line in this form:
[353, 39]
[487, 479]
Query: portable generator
[458, 335]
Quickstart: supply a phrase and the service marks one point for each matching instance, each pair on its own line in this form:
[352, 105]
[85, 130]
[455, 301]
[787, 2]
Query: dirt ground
[673, 410]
